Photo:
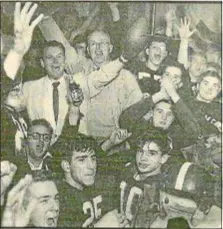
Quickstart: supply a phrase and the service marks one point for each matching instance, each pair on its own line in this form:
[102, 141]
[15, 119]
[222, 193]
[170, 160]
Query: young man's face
[99, 47]
[162, 115]
[149, 158]
[46, 210]
[83, 167]
[175, 76]
[81, 49]
[54, 62]
[198, 65]
[209, 88]
[38, 141]
[157, 52]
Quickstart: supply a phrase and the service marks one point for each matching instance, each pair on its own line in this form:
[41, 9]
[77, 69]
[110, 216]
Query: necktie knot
[56, 84]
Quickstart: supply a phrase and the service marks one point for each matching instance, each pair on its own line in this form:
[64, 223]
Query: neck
[35, 162]
[152, 66]
[57, 79]
[99, 65]
[193, 79]
[199, 98]
[72, 182]
[143, 176]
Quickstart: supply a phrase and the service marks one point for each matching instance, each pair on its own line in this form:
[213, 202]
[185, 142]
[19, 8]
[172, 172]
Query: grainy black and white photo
[111, 114]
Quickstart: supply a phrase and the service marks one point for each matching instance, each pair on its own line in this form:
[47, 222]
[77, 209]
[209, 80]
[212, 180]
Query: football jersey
[83, 208]
[131, 192]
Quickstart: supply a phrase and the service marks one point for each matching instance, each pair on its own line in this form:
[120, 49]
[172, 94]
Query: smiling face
[162, 115]
[156, 52]
[149, 158]
[46, 210]
[99, 47]
[83, 167]
[208, 88]
[54, 61]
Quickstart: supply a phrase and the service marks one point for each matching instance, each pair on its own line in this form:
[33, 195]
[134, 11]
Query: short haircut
[42, 122]
[99, 31]
[214, 66]
[160, 39]
[81, 38]
[192, 53]
[170, 62]
[65, 149]
[51, 44]
[163, 101]
[157, 136]
[210, 73]
[39, 176]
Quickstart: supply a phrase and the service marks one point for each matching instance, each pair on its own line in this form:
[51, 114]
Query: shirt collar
[33, 168]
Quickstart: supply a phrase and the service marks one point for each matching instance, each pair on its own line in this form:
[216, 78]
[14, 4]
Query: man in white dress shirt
[46, 98]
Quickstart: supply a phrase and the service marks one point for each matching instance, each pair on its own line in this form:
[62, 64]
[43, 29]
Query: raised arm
[23, 31]
[185, 33]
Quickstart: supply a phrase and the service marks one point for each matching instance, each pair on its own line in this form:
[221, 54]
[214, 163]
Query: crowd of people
[111, 134]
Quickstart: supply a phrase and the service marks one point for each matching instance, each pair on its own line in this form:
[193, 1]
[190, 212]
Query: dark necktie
[55, 100]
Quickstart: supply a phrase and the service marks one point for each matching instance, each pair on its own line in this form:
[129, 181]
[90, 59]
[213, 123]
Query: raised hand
[15, 215]
[184, 29]
[23, 30]
[118, 136]
[8, 171]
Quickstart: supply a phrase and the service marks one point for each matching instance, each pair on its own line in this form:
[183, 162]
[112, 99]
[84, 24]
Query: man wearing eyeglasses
[35, 155]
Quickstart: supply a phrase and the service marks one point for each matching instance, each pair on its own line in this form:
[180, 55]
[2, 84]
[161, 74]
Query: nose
[90, 164]
[163, 116]
[55, 61]
[55, 206]
[143, 156]
[98, 46]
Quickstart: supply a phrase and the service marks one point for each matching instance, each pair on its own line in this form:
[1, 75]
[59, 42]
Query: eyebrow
[44, 197]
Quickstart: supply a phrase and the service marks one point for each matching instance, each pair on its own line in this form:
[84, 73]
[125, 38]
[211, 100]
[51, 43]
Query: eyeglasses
[101, 44]
[37, 136]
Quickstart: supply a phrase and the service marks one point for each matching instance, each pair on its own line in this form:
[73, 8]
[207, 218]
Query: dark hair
[81, 38]
[214, 65]
[209, 73]
[158, 38]
[65, 149]
[157, 136]
[51, 44]
[170, 62]
[42, 122]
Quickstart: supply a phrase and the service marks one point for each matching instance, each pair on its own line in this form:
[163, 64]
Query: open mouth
[56, 68]
[143, 165]
[51, 221]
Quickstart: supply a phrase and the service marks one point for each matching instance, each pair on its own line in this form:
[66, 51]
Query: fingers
[17, 12]
[25, 9]
[31, 12]
[15, 193]
[37, 21]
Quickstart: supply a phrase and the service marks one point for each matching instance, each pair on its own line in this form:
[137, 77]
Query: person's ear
[164, 158]
[42, 63]
[110, 48]
[147, 51]
[65, 166]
